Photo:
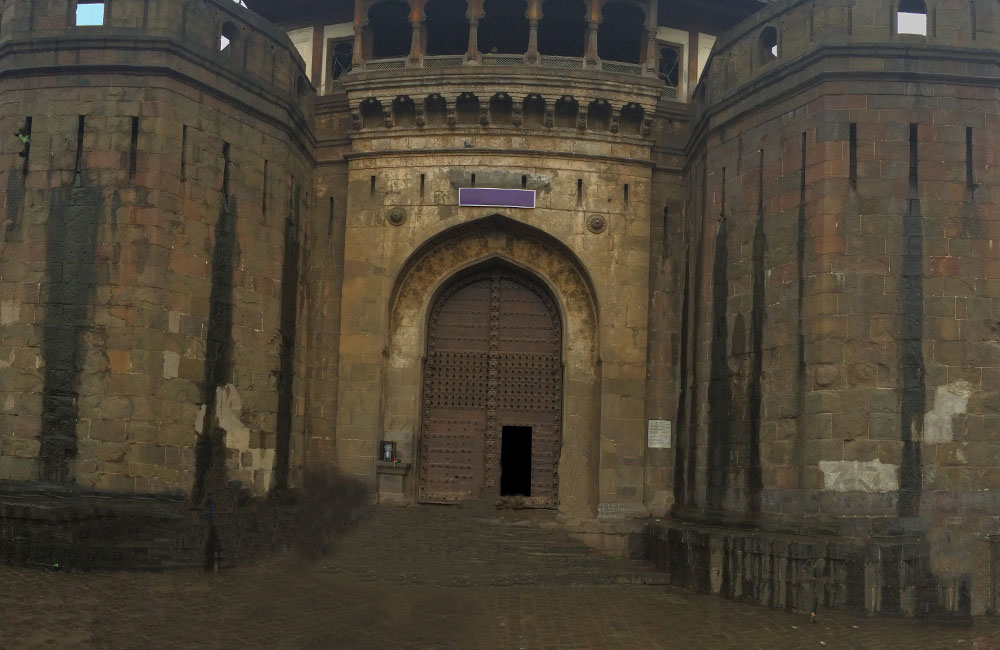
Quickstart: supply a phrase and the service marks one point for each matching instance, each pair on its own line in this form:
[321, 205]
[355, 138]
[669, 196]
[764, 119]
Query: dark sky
[709, 16]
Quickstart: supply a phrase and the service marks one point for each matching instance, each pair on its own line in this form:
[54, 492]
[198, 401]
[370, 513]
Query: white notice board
[658, 434]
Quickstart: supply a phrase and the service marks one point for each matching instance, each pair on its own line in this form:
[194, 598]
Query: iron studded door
[530, 379]
[493, 360]
[454, 418]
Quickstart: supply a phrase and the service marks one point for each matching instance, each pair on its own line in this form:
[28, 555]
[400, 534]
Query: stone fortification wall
[841, 296]
[157, 198]
[415, 144]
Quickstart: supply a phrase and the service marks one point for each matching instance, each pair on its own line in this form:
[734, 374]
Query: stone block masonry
[209, 274]
[146, 250]
[839, 311]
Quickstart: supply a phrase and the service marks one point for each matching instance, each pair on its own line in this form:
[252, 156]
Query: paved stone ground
[427, 579]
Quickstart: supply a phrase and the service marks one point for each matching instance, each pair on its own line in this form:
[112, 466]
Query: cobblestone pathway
[427, 579]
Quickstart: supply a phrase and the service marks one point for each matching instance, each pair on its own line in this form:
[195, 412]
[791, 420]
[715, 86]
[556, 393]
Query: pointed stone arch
[490, 241]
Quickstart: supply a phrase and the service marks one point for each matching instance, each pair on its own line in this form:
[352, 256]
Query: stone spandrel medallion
[597, 223]
[396, 217]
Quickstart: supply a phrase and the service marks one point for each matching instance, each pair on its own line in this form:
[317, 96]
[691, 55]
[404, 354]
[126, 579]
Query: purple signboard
[491, 197]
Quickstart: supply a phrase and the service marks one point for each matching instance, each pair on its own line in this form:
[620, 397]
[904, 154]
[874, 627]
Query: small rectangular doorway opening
[515, 461]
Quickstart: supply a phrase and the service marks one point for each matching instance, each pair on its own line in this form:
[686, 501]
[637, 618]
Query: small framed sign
[658, 434]
[492, 197]
[387, 451]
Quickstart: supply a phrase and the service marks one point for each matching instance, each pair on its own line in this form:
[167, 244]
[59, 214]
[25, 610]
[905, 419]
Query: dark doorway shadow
[515, 461]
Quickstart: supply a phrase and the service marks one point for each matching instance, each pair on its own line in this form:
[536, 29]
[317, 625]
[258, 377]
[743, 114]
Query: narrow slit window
[81, 125]
[524, 181]
[24, 136]
[854, 153]
[423, 179]
[626, 193]
[371, 188]
[184, 150]
[912, 17]
[769, 44]
[473, 180]
[227, 38]
[133, 152]
[970, 178]
[579, 191]
[263, 198]
[89, 14]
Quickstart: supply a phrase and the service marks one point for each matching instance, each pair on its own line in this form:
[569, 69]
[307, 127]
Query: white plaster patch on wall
[10, 311]
[199, 420]
[228, 408]
[171, 365]
[949, 400]
[859, 476]
[174, 322]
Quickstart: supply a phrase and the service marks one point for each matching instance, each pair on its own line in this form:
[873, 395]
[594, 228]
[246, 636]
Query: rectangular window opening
[263, 199]
[81, 124]
[333, 205]
[722, 199]
[225, 171]
[911, 23]
[666, 228]
[524, 181]
[579, 191]
[515, 461]
[371, 188]
[626, 193]
[473, 180]
[970, 179]
[854, 153]
[133, 152]
[423, 178]
[24, 135]
[89, 14]
[184, 150]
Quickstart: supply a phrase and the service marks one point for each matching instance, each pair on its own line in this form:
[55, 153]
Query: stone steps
[473, 546]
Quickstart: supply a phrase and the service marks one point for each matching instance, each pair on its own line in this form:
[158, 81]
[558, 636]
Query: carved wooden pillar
[360, 25]
[416, 40]
[534, 16]
[650, 51]
[474, 12]
[590, 56]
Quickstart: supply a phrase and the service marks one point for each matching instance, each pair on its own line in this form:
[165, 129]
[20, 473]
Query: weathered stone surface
[211, 273]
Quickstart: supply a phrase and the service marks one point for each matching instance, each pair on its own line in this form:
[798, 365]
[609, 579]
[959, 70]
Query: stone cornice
[790, 79]
[530, 153]
[297, 125]
[512, 80]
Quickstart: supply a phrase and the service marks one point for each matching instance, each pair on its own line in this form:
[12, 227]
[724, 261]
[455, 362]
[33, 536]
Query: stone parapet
[158, 197]
[876, 576]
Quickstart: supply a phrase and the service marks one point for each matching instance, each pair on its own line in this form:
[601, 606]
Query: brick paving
[427, 579]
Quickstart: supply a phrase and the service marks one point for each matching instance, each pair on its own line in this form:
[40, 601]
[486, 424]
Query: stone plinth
[391, 477]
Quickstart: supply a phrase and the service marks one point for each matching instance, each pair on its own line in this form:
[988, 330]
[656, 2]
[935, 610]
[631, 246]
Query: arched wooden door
[492, 391]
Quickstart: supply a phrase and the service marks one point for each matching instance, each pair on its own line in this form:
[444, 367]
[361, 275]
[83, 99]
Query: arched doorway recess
[492, 394]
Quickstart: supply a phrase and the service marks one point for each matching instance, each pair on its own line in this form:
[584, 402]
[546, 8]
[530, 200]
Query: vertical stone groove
[210, 449]
[71, 277]
[289, 311]
[754, 480]
[912, 399]
[720, 390]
